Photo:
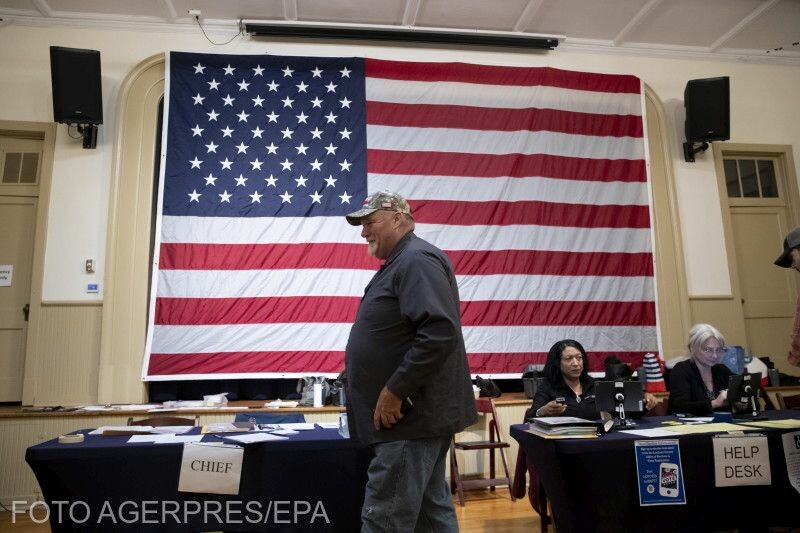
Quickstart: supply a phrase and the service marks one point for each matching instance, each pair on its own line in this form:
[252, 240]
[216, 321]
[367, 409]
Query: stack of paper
[565, 426]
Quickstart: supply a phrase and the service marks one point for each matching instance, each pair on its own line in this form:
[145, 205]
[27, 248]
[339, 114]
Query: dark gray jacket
[407, 336]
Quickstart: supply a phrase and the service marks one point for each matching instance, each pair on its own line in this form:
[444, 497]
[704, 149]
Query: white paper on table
[249, 438]
[296, 426]
[97, 408]
[275, 404]
[164, 439]
[328, 425]
[175, 430]
[131, 429]
[284, 432]
[697, 419]
[653, 432]
[136, 406]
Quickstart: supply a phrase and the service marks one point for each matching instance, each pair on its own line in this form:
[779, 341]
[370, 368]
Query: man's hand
[387, 410]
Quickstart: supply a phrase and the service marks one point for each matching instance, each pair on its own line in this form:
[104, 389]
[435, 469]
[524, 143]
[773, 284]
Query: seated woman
[567, 389]
[699, 385]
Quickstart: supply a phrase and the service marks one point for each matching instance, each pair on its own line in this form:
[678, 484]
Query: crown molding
[607, 47]
[228, 27]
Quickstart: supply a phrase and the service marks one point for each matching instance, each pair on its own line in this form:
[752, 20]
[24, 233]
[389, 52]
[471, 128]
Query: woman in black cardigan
[699, 385]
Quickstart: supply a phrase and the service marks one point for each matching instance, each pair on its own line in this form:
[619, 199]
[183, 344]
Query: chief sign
[215, 469]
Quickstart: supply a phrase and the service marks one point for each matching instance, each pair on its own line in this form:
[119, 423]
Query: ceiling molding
[173, 15]
[753, 15]
[43, 7]
[635, 21]
[527, 14]
[290, 10]
[227, 27]
[607, 47]
[411, 12]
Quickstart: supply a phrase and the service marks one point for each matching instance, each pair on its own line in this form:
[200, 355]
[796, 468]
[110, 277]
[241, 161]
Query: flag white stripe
[501, 96]
[474, 189]
[333, 282]
[503, 142]
[324, 337]
[284, 230]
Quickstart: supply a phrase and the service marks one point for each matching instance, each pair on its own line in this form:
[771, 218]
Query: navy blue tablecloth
[114, 482]
[592, 485]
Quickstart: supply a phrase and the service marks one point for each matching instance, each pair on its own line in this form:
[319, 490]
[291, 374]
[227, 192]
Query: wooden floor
[483, 511]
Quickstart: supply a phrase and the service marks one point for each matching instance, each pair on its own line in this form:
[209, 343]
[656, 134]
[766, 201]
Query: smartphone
[668, 480]
[561, 400]
[407, 405]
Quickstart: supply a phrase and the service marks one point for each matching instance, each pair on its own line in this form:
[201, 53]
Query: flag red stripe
[342, 309]
[557, 313]
[530, 212]
[494, 75]
[268, 310]
[245, 362]
[498, 119]
[516, 362]
[186, 256]
[535, 262]
[511, 165]
[183, 256]
[333, 362]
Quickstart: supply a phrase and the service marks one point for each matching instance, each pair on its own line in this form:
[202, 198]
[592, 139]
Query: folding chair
[457, 483]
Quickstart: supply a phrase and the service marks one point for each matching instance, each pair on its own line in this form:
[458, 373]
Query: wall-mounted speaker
[77, 94]
[708, 116]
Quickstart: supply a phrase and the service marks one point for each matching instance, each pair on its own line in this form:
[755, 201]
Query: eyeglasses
[712, 350]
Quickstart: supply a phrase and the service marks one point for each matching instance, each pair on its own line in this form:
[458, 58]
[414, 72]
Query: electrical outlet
[194, 12]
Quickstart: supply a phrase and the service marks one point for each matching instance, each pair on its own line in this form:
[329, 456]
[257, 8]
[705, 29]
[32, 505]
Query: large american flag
[533, 180]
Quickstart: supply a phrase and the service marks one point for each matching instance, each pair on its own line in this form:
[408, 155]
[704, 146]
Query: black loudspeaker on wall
[77, 93]
[707, 103]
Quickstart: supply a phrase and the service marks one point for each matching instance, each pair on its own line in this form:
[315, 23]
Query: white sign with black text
[741, 461]
[6, 275]
[211, 468]
[791, 450]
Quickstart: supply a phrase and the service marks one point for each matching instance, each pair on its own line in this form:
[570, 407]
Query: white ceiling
[752, 30]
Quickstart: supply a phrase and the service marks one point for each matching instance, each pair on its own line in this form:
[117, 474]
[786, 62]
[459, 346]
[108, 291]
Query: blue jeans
[406, 489]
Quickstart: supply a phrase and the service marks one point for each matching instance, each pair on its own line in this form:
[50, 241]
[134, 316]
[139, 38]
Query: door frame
[785, 161]
[45, 132]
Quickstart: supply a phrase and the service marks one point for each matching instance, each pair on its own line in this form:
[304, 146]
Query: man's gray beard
[372, 249]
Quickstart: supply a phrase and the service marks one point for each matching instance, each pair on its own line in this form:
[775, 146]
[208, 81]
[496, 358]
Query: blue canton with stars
[260, 136]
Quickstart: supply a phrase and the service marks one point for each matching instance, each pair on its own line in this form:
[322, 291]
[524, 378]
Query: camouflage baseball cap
[390, 201]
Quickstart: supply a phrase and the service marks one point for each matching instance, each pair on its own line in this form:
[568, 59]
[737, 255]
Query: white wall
[764, 109]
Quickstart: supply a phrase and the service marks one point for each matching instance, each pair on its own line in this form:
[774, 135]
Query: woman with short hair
[699, 385]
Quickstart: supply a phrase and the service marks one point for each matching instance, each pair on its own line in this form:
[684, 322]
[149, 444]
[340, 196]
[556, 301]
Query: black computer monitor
[621, 398]
[743, 393]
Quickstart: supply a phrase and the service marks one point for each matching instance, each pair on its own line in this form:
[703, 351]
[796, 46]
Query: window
[750, 178]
